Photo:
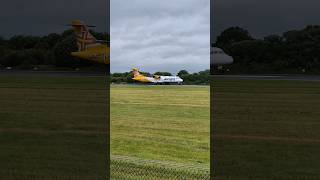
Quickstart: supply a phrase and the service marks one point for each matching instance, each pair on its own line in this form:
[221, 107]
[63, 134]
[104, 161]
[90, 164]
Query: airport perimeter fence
[123, 167]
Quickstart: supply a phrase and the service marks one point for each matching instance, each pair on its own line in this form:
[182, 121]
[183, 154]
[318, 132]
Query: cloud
[264, 17]
[41, 17]
[160, 35]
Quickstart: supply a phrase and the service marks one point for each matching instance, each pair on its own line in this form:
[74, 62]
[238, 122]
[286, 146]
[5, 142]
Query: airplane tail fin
[135, 72]
[84, 38]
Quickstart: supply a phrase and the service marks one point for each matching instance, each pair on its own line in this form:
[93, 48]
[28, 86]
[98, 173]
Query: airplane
[88, 47]
[156, 79]
[219, 57]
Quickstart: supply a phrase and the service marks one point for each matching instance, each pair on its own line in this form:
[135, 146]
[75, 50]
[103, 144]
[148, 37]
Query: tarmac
[296, 77]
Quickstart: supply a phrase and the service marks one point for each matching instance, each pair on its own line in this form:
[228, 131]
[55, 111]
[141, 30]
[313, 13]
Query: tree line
[199, 78]
[295, 51]
[51, 51]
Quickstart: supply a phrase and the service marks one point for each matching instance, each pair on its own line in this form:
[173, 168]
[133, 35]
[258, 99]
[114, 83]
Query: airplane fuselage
[159, 79]
[168, 80]
[97, 54]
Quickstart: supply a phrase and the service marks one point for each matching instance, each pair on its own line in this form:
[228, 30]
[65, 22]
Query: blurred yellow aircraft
[88, 47]
[156, 79]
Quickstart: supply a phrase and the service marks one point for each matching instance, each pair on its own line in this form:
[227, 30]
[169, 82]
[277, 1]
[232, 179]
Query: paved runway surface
[54, 73]
[102, 74]
[270, 77]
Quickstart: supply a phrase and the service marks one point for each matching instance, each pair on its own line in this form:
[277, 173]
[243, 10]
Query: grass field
[165, 123]
[266, 129]
[52, 127]
[55, 127]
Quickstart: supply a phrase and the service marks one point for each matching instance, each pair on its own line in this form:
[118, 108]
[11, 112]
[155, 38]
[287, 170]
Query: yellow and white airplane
[156, 79]
[88, 47]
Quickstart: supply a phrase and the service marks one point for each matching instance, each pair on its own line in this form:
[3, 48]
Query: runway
[295, 77]
[54, 73]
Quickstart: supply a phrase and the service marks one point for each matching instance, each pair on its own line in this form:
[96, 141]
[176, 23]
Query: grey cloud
[264, 17]
[41, 17]
[160, 35]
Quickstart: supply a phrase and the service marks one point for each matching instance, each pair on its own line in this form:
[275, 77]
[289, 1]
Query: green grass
[168, 123]
[132, 170]
[56, 127]
[266, 129]
[53, 127]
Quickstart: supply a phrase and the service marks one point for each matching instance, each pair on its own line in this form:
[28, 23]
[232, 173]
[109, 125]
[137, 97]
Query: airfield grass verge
[165, 123]
[265, 129]
[52, 127]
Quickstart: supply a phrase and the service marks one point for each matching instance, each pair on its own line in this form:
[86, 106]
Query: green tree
[273, 39]
[13, 58]
[62, 52]
[52, 39]
[182, 73]
[23, 42]
[162, 73]
[230, 36]
[2, 41]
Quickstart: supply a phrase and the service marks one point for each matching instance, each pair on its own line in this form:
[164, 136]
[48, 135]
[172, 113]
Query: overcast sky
[41, 17]
[264, 17]
[166, 35]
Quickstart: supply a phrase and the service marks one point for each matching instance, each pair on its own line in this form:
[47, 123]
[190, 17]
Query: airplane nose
[229, 60]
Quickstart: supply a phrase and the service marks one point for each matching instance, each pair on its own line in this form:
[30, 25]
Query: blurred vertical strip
[211, 96]
[108, 93]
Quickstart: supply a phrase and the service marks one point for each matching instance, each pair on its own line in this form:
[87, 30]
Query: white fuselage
[166, 80]
[219, 58]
